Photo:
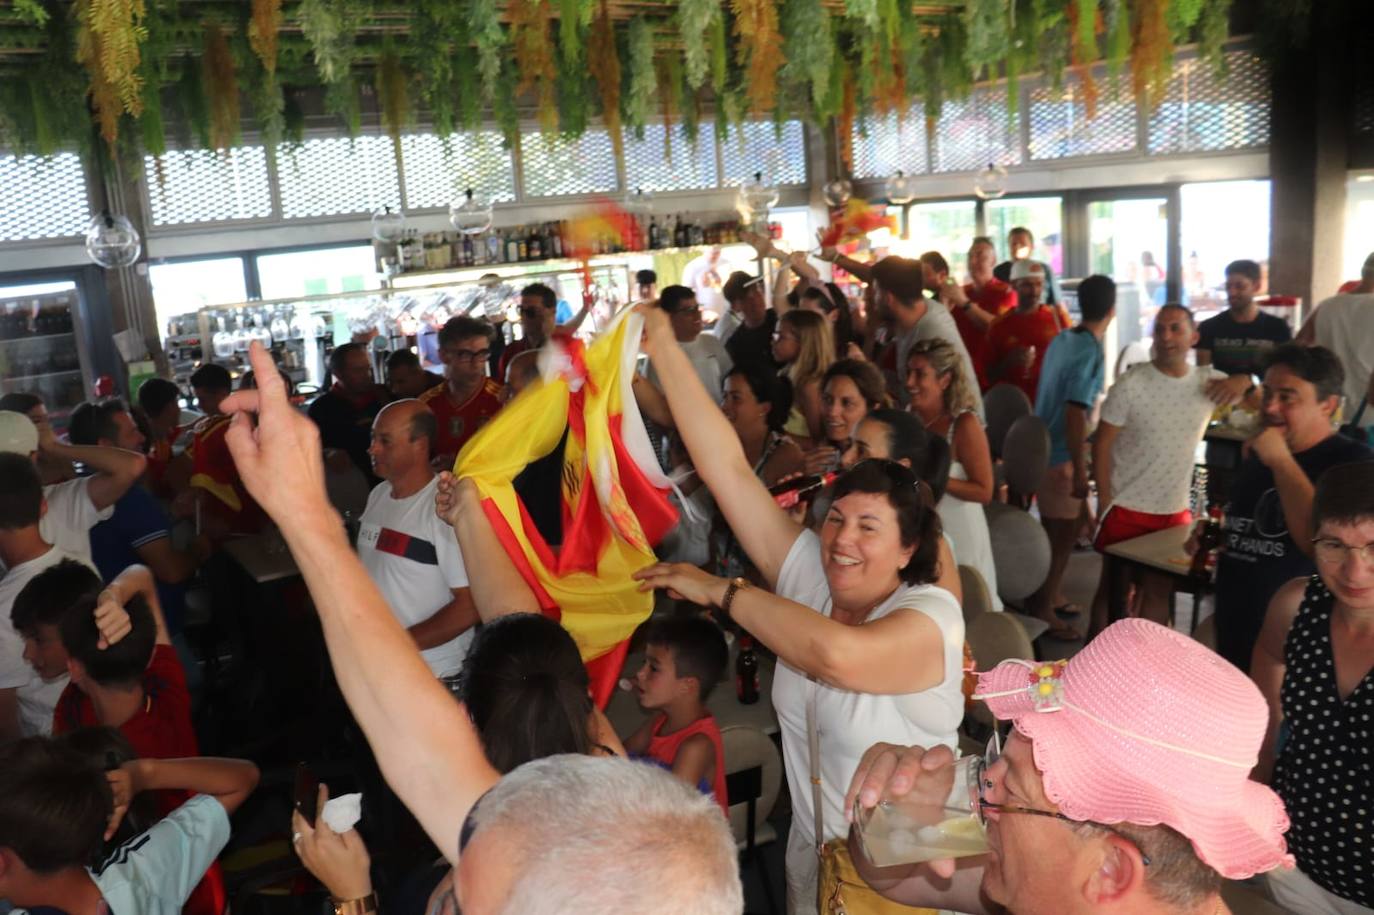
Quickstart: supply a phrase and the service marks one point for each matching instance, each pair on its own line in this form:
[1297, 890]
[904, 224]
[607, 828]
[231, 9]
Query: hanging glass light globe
[388, 226]
[639, 203]
[901, 188]
[837, 192]
[472, 216]
[112, 241]
[991, 182]
[758, 195]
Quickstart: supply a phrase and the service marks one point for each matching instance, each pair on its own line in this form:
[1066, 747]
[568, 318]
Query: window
[1200, 113]
[884, 144]
[42, 197]
[759, 146]
[298, 273]
[201, 185]
[947, 227]
[1044, 216]
[1223, 221]
[333, 177]
[975, 131]
[690, 167]
[185, 287]
[1059, 127]
[475, 160]
[556, 167]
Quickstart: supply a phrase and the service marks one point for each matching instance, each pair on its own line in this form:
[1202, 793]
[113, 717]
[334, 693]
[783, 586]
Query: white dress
[849, 722]
[967, 528]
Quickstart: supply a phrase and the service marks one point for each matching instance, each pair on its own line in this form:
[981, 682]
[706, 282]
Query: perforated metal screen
[975, 131]
[475, 160]
[200, 185]
[1060, 128]
[42, 197]
[882, 145]
[557, 167]
[1200, 112]
[332, 177]
[648, 164]
[757, 148]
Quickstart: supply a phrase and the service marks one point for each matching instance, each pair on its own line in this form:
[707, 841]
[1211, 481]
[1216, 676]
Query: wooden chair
[1003, 405]
[753, 778]
[976, 597]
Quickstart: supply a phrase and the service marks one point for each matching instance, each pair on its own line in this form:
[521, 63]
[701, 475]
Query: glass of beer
[937, 819]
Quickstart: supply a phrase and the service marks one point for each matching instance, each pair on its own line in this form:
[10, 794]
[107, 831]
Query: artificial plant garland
[720, 57]
[189, 94]
[263, 26]
[107, 45]
[759, 50]
[643, 84]
[1081, 55]
[1212, 35]
[694, 18]
[989, 34]
[529, 35]
[439, 29]
[1152, 50]
[342, 99]
[670, 95]
[574, 16]
[32, 11]
[604, 62]
[331, 27]
[810, 50]
[221, 88]
[484, 24]
[574, 105]
[393, 99]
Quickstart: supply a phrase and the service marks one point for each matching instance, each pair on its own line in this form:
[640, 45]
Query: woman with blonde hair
[942, 396]
[804, 347]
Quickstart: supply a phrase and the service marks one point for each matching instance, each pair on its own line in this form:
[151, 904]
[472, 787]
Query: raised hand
[683, 581]
[111, 619]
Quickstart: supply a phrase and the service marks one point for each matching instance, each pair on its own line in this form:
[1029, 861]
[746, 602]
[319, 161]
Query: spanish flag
[614, 506]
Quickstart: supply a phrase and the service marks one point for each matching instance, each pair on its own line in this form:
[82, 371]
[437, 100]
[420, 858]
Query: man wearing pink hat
[1124, 786]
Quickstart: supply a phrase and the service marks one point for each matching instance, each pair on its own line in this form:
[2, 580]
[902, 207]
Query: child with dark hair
[57, 806]
[684, 659]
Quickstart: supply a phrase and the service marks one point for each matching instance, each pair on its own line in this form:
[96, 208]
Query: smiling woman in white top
[868, 649]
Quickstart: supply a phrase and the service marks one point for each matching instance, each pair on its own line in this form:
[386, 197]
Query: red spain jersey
[458, 422]
[213, 470]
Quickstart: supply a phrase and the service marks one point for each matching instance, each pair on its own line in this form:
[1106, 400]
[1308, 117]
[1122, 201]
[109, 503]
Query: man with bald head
[412, 555]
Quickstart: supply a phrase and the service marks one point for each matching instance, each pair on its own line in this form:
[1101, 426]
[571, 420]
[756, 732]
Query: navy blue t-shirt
[138, 520]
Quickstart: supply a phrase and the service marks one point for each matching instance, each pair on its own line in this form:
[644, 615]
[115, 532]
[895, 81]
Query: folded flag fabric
[614, 506]
[859, 217]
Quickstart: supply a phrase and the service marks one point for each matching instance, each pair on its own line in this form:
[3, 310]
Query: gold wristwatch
[736, 585]
[363, 905]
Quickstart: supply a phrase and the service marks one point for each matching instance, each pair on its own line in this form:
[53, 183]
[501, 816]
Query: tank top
[1324, 772]
[663, 750]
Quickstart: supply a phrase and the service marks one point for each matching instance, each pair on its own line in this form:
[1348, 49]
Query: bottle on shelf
[558, 240]
[512, 247]
[747, 671]
[1209, 540]
[535, 244]
[496, 248]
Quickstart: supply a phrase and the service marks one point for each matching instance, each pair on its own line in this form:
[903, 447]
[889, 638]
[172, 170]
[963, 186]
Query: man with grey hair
[412, 555]
[524, 850]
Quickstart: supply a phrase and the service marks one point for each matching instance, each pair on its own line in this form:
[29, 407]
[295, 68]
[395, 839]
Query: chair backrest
[1020, 551]
[1003, 405]
[1206, 632]
[994, 637]
[976, 597]
[753, 766]
[1026, 454]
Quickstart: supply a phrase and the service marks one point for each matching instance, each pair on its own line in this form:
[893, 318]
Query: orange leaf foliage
[604, 61]
[756, 24]
[262, 31]
[1152, 49]
[221, 88]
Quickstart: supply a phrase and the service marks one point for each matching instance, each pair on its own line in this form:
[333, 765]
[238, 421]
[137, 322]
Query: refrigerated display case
[43, 350]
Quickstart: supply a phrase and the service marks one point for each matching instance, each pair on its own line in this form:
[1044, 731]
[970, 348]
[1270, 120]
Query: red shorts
[1122, 524]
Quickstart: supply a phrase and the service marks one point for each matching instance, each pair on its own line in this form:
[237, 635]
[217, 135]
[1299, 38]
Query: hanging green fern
[863, 12]
[720, 58]
[1118, 20]
[190, 99]
[150, 123]
[1182, 15]
[989, 34]
[573, 98]
[393, 98]
[438, 29]
[643, 85]
[467, 89]
[694, 18]
[269, 107]
[574, 16]
[1212, 32]
[342, 99]
[331, 27]
[809, 49]
[504, 109]
[32, 11]
[293, 121]
[603, 59]
[221, 88]
[691, 116]
[484, 24]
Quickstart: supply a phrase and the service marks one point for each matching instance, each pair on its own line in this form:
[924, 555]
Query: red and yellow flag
[614, 505]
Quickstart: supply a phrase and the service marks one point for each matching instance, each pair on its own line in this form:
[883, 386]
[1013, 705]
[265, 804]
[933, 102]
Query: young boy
[684, 658]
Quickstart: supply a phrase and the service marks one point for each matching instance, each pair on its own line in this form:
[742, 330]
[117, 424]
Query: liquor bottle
[655, 236]
[535, 245]
[800, 489]
[1209, 539]
[495, 248]
[698, 236]
[558, 239]
[512, 248]
[522, 244]
[469, 255]
[747, 672]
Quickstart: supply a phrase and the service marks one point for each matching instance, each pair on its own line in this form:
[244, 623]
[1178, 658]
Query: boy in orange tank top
[684, 658]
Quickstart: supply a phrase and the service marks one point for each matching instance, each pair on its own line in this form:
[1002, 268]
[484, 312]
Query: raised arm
[424, 741]
[497, 586]
[115, 469]
[228, 781]
[1295, 488]
[138, 579]
[763, 529]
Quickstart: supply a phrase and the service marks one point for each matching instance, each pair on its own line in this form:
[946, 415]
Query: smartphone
[307, 792]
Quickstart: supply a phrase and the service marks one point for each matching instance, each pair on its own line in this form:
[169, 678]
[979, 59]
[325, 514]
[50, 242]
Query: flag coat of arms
[614, 507]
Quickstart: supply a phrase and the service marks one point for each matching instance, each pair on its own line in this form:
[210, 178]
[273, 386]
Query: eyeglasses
[994, 753]
[467, 355]
[686, 310]
[1332, 552]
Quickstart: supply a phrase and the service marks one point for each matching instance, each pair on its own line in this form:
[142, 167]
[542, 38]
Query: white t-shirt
[37, 697]
[937, 323]
[155, 872]
[414, 559]
[1345, 325]
[710, 359]
[1162, 419]
[848, 722]
[70, 516]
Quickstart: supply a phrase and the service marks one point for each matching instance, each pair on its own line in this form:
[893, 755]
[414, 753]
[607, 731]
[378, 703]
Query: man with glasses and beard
[468, 398]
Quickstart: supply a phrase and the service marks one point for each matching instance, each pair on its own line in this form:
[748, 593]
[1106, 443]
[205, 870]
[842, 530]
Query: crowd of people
[1166, 769]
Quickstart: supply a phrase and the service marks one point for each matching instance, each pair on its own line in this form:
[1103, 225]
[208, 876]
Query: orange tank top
[663, 749]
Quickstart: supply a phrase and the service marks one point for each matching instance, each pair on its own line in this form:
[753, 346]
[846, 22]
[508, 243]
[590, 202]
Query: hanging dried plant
[844, 124]
[263, 26]
[1152, 50]
[603, 58]
[393, 98]
[484, 23]
[529, 35]
[104, 97]
[331, 27]
[694, 17]
[1081, 54]
[108, 36]
[642, 84]
[809, 48]
[756, 26]
[221, 88]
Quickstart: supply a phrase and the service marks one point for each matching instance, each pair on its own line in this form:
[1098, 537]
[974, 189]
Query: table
[626, 716]
[263, 556]
[1161, 551]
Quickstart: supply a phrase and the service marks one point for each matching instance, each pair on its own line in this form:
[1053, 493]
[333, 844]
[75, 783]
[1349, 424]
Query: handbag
[1354, 430]
[839, 888]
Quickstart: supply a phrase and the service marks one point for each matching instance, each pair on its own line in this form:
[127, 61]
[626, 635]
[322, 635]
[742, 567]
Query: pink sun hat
[1147, 726]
